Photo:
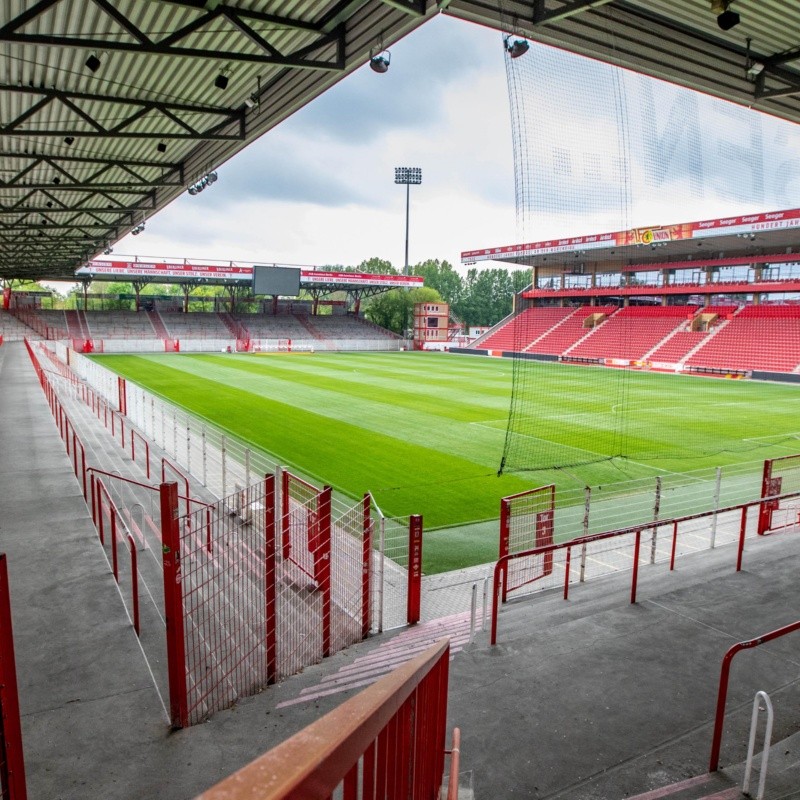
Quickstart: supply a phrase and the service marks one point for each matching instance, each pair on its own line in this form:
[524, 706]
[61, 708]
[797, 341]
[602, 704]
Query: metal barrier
[12, 765]
[722, 694]
[387, 741]
[621, 550]
[250, 616]
[762, 774]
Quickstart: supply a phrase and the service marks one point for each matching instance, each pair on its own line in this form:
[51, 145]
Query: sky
[319, 188]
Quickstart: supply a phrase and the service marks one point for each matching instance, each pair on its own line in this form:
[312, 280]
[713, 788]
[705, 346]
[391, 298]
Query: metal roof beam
[114, 162]
[542, 17]
[415, 7]
[84, 186]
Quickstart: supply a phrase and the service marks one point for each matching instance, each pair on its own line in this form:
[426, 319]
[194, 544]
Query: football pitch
[424, 432]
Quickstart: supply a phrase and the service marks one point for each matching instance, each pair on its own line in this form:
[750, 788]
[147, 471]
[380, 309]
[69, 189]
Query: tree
[441, 276]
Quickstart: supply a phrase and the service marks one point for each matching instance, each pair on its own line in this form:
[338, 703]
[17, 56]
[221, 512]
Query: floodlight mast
[407, 176]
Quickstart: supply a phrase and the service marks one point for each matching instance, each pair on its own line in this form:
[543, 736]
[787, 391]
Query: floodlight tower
[407, 176]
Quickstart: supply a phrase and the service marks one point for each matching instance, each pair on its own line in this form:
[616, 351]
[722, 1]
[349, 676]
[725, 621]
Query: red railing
[386, 742]
[722, 694]
[167, 464]
[12, 765]
[636, 531]
[145, 446]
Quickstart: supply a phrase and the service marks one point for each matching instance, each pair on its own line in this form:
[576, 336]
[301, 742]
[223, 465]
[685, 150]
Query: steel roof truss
[541, 16]
[167, 46]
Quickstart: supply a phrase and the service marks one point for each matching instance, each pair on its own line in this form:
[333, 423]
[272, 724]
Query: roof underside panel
[109, 109]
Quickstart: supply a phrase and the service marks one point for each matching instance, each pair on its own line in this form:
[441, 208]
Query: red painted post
[505, 538]
[742, 532]
[101, 519]
[635, 577]
[114, 563]
[366, 566]
[414, 568]
[286, 535]
[123, 400]
[499, 579]
[765, 509]
[566, 573]
[173, 605]
[134, 583]
[324, 573]
[12, 764]
[270, 579]
[674, 545]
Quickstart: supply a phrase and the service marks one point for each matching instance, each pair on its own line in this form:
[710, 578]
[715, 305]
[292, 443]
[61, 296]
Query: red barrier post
[566, 573]
[173, 605]
[742, 532]
[270, 579]
[12, 764]
[499, 580]
[674, 546]
[324, 571]
[414, 569]
[505, 539]
[134, 583]
[114, 563]
[635, 576]
[286, 535]
[366, 566]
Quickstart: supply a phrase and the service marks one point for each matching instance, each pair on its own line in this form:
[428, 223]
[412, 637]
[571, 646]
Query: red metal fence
[621, 550]
[240, 613]
[386, 742]
[12, 766]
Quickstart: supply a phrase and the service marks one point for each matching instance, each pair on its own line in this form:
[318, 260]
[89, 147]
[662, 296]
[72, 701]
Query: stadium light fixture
[380, 63]
[161, 147]
[515, 48]
[69, 140]
[408, 176]
[221, 81]
[201, 184]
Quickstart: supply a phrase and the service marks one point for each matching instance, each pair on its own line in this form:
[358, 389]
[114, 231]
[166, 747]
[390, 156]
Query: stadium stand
[77, 326]
[571, 330]
[197, 325]
[338, 326]
[764, 337]
[632, 332]
[264, 326]
[11, 329]
[523, 330]
[677, 346]
[119, 325]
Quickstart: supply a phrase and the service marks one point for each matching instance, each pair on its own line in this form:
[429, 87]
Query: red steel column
[270, 580]
[505, 539]
[366, 567]
[325, 566]
[173, 606]
[286, 535]
[12, 765]
[123, 397]
[414, 568]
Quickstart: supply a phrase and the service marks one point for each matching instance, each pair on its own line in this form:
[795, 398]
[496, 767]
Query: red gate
[526, 521]
[780, 476]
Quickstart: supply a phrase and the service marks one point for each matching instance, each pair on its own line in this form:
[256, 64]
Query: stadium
[257, 545]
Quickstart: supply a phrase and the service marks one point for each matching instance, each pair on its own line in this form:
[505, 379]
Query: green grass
[424, 432]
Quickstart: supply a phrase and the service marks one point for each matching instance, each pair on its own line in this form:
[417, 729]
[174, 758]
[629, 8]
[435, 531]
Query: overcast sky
[319, 189]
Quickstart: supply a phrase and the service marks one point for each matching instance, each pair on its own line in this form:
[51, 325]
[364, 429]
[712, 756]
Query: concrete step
[711, 786]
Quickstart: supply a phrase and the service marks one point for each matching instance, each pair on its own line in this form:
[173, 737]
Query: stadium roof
[110, 109]
[190, 272]
[770, 237]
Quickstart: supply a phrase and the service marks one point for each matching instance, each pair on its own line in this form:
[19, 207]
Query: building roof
[110, 109]
[771, 237]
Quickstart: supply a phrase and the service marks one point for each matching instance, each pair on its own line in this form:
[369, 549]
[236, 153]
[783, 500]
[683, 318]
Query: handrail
[312, 763]
[722, 694]
[455, 762]
[501, 566]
